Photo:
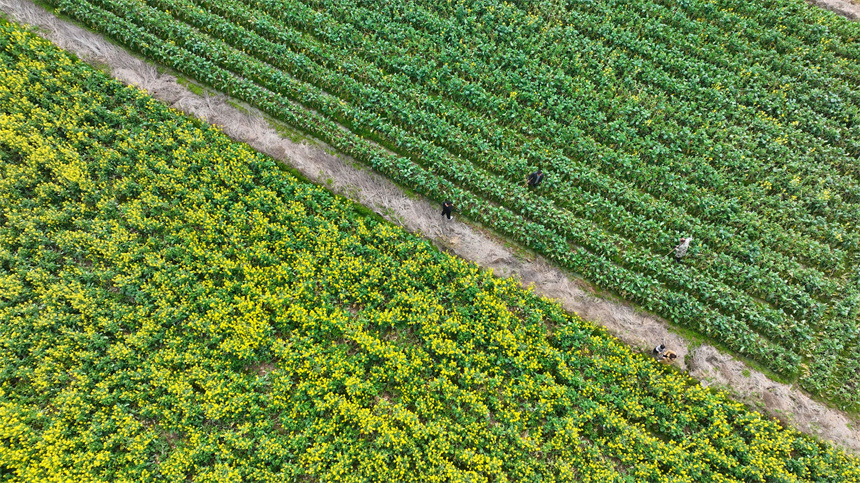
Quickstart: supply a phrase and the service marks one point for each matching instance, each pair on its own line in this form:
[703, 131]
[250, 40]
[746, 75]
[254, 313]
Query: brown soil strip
[847, 8]
[416, 214]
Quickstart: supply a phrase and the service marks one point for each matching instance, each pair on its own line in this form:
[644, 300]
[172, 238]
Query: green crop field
[736, 123]
[173, 307]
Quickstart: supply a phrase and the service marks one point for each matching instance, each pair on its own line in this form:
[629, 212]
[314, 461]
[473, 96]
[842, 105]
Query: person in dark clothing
[535, 178]
[446, 209]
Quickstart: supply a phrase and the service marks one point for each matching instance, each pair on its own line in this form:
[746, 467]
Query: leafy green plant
[651, 123]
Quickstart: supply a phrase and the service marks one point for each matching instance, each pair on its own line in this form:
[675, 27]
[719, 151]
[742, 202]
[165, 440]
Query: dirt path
[342, 175]
[846, 8]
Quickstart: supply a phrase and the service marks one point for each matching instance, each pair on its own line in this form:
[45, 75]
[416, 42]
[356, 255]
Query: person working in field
[669, 357]
[681, 249]
[446, 209]
[535, 178]
[664, 355]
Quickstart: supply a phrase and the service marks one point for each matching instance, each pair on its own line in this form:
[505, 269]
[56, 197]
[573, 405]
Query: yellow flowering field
[735, 123]
[173, 307]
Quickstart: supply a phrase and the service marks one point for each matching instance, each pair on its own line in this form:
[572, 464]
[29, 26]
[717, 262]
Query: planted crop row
[640, 288]
[656, 179]
[614, 131]
[843, 328]
[204, 316]
[256, 17]
[815, 103]
[768, 322]
[788, 64]
[448, 158]
[560, 192]
[783, 25]
[591, 206]
[845, 310]
[465, 32]
[580, 232]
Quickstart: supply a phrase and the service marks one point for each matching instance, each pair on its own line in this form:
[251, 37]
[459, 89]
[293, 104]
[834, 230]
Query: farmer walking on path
[681, 249]
[535, 178]
[446, 209]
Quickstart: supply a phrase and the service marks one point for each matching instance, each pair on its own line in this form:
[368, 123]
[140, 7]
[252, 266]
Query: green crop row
[576, 142]
[803, 310]
[682, 132]
[610, 216]
[767, 321]
[676, 305]
[176, 308]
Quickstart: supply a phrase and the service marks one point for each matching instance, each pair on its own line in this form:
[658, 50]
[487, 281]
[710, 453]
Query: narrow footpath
[845, 8]
[416, 214]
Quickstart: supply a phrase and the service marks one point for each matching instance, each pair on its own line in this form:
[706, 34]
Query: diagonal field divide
[846, 8]
[348, 178]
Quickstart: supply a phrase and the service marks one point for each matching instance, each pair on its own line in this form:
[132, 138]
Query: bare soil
[847, 8]
[343, 175]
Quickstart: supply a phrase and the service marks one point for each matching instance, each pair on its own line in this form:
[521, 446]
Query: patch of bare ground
[847, 8]
[344, 176]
